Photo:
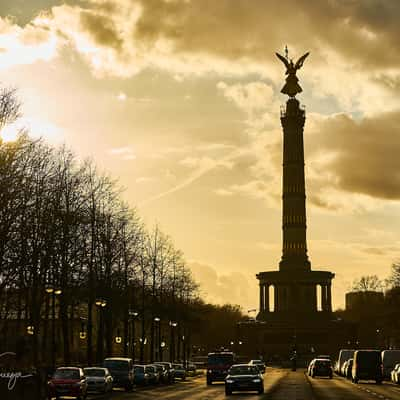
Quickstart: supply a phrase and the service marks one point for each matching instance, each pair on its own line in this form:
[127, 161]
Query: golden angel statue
[292, 87]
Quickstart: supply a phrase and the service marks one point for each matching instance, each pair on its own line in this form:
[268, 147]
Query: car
[98, 379]
[121, 370]
[244, 377]
[344, 355]
[68, 381]
[179, 371]
[191, 368]
[170, 370]
[395, 374]
[367, 365]
[218, 364]
[389, 359]
[260, 364]
[347, 369]
[163, 372]
[321, 367]
[141, 377]
[152, 373]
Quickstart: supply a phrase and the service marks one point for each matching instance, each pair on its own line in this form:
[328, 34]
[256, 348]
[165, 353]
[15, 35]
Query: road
[280, 384]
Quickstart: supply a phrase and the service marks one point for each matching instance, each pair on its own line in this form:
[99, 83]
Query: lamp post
[53, 292]
[173, 325]
[132, 315]
[157, 320]
[100, 304]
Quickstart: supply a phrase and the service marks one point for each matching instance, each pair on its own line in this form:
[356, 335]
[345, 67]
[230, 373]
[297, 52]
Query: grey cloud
[102, 28]
[367, 153]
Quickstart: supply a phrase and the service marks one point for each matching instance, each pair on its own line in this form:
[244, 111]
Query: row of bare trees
[67, 243]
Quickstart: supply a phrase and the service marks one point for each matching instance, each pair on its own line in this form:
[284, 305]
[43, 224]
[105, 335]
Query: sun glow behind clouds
[35, 128]
[25, 45]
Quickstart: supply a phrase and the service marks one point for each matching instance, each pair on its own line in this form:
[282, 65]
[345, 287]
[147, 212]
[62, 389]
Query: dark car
[170, 370]
[260, 364]
[152, 373]
[320, 367]
[163, 372]
[141, 376]
[121, 370]
[179, 371]
[218, 364]
[367, 364]
[98, 379]
[347, 369]
[244, 377]
[68, 381]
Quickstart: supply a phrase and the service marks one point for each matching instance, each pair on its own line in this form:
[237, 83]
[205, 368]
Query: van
[121, 369]
[344, 355]
[367, 365]
[389, 359]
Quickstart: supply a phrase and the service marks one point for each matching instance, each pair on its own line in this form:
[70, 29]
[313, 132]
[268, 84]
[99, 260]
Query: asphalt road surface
[280, 384]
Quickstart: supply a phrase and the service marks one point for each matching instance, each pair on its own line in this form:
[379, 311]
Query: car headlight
[210, 371]
[230, 381]
[257, 380]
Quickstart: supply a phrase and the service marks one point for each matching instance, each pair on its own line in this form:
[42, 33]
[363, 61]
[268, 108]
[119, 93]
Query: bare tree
[10, 107]
[368, 282]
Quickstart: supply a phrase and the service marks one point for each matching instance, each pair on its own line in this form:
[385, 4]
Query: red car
[68, 381]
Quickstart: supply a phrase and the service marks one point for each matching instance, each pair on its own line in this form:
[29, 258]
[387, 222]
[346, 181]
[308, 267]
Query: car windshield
[116, 364]
[66, 374]
[323, 363]
[150, 368]
[94, 372]
[243, 370]
[217, 359]
[258, 362]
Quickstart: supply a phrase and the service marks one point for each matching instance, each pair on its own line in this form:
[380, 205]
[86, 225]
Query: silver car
[98, 379]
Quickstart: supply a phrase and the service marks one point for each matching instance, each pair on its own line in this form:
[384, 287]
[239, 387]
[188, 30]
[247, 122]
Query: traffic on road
[357, 374]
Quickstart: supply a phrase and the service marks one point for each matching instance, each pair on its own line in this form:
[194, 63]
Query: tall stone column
[329, 297]
[294, 247]
[261, 297]
[324, 298]
[266, 297]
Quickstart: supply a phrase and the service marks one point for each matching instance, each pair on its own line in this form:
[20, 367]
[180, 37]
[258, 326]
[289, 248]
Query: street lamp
[172, 324]
[51, 290]
[118, 338]
[30, 330]
[101, 304]
[158, 321]
[132, 315]
[82, 333]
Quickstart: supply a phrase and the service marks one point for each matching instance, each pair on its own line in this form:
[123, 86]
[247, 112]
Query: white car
[395, 374]
[98, 379]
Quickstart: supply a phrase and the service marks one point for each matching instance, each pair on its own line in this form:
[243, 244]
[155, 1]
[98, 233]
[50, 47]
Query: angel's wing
[300, 61]
[283, 59]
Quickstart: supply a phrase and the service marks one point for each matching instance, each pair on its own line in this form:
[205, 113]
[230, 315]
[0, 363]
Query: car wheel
[330, 376]
[209, 382]
[228, 392]
[261, 390]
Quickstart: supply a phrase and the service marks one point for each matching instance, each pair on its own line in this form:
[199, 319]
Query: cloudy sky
[180, 100]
